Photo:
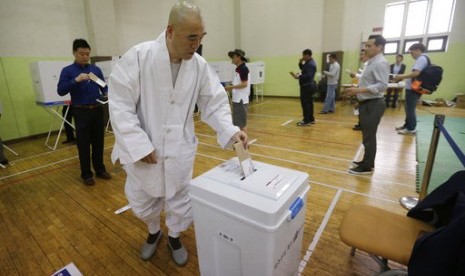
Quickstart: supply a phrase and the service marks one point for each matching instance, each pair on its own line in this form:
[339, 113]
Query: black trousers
[371, 112]
[89, 139]
[69, 117]
[306, 100]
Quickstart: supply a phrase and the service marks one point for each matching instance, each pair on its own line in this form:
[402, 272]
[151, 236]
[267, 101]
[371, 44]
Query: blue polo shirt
[84, 92]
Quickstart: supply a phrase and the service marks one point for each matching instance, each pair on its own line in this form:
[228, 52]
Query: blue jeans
[411, 99]
[330, 98]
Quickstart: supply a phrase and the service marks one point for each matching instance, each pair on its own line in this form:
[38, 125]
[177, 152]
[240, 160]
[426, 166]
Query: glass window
[409, 42]
[416, 18]
[441, 15]
[436, 44]
[391, 47]
[411, 21]
[393, 18]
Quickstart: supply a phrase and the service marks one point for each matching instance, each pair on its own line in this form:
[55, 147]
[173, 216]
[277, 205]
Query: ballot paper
[294, 75]
[97, 80]
[244, 159]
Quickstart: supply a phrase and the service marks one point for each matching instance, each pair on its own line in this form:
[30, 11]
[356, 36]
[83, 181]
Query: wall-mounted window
[391, 47]
[411, 21]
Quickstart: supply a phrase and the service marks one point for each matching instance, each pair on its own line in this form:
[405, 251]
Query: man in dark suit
[393, 93]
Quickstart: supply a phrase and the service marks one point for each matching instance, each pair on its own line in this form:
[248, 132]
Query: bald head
[184, 32]
[182, 11]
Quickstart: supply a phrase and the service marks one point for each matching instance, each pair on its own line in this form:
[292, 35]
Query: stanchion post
[438, 119]
[409, 202]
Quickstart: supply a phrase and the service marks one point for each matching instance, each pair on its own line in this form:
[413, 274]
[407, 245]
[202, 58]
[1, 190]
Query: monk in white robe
[153, 91]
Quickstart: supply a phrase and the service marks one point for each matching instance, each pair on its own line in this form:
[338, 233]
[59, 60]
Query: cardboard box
[460, 102]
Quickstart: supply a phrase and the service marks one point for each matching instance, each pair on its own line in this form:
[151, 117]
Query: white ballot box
[249, 226]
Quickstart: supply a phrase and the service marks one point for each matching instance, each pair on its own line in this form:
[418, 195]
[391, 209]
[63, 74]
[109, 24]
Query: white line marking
[253, 141]
[284, 149]
[318, 183]
[287, 122]
[316, 167]
[43, 166]
[320, 230]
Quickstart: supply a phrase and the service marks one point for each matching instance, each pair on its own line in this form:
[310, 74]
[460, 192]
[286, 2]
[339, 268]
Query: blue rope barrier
[452, 144]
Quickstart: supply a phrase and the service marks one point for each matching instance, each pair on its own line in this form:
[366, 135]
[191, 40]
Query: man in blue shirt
[307, 86]
[88, 113]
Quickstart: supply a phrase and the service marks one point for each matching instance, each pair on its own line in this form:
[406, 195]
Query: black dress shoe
[89, 181]
[73, 141]
[104, 175]
[4, 162]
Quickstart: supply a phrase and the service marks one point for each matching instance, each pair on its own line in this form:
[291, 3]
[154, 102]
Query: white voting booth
[226, 71]
[252, 225]
[107, 67]
[45, 76]
[257, 77]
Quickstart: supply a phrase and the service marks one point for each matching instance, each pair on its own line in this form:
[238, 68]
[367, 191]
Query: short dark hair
[399, 55]
[307, 52]
[379, 40]
[80, 43]
[418, 46]
[333, 55]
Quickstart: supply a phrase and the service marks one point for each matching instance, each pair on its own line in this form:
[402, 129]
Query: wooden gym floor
[49, 219]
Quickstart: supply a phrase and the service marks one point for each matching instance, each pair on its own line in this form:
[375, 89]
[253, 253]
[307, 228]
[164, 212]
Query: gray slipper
[148, 250]
[179, 255]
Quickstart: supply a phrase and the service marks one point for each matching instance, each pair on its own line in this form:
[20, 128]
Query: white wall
[139, 21]
[40, 28]
[144, 20]
[280, 28]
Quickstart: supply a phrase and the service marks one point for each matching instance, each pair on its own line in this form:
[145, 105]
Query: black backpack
[428, 80]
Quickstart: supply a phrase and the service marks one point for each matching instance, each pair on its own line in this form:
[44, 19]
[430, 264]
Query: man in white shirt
[370, 94]
[240, 88]
[332, 78]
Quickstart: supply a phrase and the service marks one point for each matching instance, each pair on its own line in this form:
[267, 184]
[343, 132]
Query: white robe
[147, 113]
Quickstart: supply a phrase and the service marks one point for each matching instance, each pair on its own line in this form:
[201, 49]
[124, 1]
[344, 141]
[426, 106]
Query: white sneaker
[406, 132]
[400, 128]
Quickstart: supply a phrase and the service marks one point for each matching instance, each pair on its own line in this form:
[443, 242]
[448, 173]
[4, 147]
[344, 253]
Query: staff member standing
[240, 89]
[332, 76]
[307, 86]
[370, 94]
[87, 112]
